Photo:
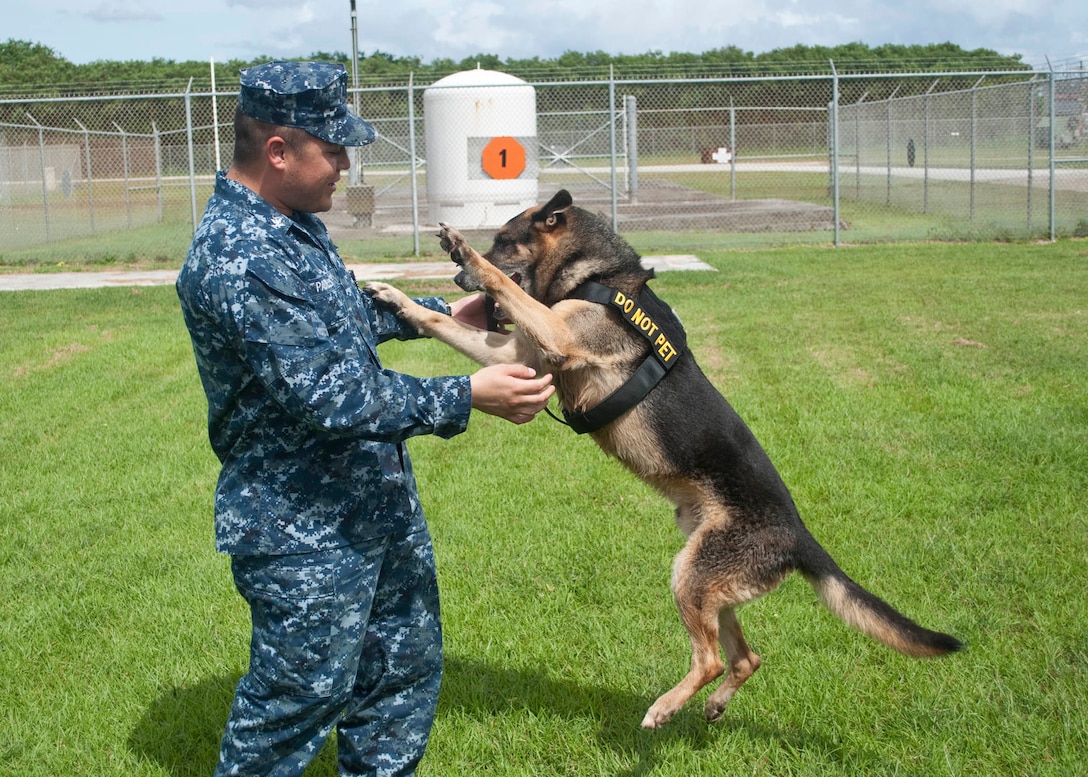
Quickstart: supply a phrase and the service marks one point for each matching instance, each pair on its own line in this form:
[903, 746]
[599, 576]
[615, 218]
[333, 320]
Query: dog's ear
[551, 212]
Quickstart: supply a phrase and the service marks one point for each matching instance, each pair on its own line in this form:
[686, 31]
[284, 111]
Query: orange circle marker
[503, 158]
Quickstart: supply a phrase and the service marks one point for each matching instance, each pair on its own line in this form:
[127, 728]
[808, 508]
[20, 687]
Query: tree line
[33, 69]
[713, 80]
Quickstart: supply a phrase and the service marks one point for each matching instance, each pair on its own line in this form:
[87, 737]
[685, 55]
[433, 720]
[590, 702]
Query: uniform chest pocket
[289, 310]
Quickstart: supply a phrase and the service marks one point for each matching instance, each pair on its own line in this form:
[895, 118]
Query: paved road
[364, 272]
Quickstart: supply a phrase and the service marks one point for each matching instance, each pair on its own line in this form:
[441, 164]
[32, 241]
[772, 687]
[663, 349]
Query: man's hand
[511, 391]
[472, 310]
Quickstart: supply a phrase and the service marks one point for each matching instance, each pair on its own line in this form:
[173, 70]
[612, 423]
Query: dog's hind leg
[707, 628]
[743, 663]
[706, 662]
[701, 592]
[714, 573]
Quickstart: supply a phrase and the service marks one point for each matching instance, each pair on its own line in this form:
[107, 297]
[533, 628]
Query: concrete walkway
[364, 272]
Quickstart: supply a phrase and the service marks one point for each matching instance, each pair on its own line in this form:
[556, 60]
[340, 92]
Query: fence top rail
[86, 131]
[70, 130]
[974, 89]
[410, 86]
[26, 99]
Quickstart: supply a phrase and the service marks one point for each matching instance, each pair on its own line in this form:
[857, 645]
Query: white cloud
[475, 27]
[793, 19]
[431, 29]
[993, 14]
[124, 11]
[261, 5]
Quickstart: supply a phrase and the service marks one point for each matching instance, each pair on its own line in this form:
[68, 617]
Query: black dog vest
[655, 321]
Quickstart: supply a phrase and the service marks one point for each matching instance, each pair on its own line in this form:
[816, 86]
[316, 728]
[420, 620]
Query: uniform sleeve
[308, 353]
[386, 325]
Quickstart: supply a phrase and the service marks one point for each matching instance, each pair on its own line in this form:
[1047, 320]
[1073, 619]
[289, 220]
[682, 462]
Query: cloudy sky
[87, 30]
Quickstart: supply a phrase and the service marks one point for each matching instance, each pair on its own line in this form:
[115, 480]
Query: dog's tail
[868, 613]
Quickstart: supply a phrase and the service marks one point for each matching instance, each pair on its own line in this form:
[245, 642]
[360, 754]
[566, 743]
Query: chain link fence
[677, 165]
[978, 162]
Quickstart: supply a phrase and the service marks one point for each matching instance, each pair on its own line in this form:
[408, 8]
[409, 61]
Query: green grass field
[925, 403]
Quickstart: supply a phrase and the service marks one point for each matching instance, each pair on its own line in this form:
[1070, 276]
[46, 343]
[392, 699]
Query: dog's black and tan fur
[744, 532]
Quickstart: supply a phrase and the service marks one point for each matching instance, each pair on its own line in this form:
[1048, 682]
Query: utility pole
[355, 176]
[360, 197]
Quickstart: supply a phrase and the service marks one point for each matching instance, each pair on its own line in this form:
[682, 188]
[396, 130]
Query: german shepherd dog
[744, 534]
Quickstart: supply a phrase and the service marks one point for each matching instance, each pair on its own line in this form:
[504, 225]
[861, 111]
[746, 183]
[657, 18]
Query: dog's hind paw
[713, 712]
[656, 718]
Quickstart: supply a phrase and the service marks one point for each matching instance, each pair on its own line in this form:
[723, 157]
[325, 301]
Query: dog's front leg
[544, 327]
[483, 347]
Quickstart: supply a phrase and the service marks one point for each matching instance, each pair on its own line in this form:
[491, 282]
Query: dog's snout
[465, 282]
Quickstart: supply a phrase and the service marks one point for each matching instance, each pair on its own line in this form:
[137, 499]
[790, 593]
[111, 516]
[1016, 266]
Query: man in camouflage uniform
[316, 501]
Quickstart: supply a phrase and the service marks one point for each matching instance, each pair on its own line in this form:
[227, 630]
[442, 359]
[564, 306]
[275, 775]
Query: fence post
[41, 172]
[412, 157]
[189, 137]
[925, 151]
[354, 172]
[974, 140]
[158, 164]
[124, 162]
[857, 146]
[612, 143]
[1053, 122]
[1031, 146]
[215, 116]
[889, 131]
[835, 148]
[632, 149]
[732, 150]
[90, 177]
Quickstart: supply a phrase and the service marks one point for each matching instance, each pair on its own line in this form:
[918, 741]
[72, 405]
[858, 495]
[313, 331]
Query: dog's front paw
[389, 296]
[452, 242]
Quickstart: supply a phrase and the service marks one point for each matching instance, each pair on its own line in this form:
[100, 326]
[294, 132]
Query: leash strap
[651, 317]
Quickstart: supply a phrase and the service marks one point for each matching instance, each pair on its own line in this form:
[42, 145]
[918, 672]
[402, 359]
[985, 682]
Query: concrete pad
[363, 272]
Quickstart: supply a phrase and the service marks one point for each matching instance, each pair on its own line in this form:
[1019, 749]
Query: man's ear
[275, 148]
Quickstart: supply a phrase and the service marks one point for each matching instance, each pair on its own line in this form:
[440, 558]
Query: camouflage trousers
[347, 638]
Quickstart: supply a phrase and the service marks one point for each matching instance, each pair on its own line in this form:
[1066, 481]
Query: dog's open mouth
[495, 315]
[497, 312]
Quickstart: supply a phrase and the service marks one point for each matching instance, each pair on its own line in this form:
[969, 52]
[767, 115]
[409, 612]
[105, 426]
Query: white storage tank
[482, 164]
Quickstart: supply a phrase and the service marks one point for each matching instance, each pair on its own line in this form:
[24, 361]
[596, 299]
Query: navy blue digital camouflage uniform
[316, 501]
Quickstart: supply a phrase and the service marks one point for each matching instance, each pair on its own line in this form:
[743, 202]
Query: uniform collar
[239, 195]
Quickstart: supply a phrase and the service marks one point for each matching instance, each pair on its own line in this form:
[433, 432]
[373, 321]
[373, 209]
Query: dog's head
[550, 249]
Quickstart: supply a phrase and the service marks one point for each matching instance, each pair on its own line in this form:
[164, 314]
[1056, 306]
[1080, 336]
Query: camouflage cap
[309, 95]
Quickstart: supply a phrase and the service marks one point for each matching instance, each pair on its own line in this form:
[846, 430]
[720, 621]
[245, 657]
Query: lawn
[925, 403]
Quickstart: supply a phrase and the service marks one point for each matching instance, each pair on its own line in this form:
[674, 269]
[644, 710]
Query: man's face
[312, 168]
